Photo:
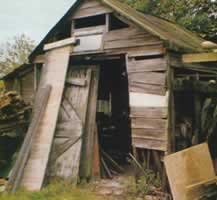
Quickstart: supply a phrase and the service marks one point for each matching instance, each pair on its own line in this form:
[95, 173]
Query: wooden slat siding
[148, 102]
[27, 87]
[53, 73]
[146, 51]
[154, 133]
[152, 78]
[91, 8]
[148, 112]
[90, 4]
[147, 123]
[147, 65]
[149, 144]
[65, 161]
[128, 37]
[147, 88]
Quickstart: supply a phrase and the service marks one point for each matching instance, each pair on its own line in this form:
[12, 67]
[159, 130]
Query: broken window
[86, 22]
[115, 23]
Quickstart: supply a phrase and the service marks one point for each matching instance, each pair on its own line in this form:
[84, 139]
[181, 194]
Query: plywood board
[53, 73]
[188, 167]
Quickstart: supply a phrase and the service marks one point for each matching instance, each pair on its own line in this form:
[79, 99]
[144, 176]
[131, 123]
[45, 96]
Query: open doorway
[113, 112]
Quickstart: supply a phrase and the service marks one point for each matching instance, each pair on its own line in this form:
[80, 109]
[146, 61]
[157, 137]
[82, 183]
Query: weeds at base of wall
[55, 191]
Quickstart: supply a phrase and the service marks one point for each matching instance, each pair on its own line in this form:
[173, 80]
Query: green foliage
[55, 191]
[196, 15]
[15, 52]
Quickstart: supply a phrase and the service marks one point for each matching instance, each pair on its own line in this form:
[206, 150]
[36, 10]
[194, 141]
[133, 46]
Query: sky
[32, 17]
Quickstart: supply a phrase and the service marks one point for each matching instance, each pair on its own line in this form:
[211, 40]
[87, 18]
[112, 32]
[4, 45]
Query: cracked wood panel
[54, 74]
[66, 153]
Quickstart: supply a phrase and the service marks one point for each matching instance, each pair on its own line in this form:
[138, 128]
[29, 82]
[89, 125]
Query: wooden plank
[134, 42]
[148, 112]
[60, 43]
[151, 133]
[146, 65]
[149, 143]
[125, 33]
[199, 57]
[147, 100]
[91, 11]
[38, 112]
[150, 51]
[53, 73]
[96, 156]
[148, 123]
[77, 82]
[88, 151]
[89, 4]
[39, 59]
[96, 30]
[148, 78]
[147, 88]
[192, 165]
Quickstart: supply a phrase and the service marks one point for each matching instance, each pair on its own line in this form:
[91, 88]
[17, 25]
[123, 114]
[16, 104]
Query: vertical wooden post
[171, 108]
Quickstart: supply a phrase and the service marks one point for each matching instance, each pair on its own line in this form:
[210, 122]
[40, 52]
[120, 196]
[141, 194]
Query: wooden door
[66, 153]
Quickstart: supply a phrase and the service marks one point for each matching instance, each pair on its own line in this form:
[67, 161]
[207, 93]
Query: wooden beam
[60, 43]
[199, 57]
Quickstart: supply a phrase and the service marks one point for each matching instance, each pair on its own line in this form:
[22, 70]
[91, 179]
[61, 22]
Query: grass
[54, 191]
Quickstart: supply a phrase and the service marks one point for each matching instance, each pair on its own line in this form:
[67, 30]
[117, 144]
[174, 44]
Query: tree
[196, 15]
[15, 52]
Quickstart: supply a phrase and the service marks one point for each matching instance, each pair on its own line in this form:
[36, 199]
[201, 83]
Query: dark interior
[85, 22]
[113, 111]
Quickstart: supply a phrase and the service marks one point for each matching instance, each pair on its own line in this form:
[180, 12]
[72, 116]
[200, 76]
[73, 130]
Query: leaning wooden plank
[53, 73]
[192, 166]
[60, 43]
[39, 108]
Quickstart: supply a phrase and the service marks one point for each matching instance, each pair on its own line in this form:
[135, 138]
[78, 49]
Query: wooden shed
[21, 80]
[122, 87]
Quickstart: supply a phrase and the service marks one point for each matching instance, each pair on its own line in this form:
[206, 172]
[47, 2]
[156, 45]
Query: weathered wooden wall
[148, 101]
[128, 37]
[23, 84]
[27, 87]
[91, 8]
